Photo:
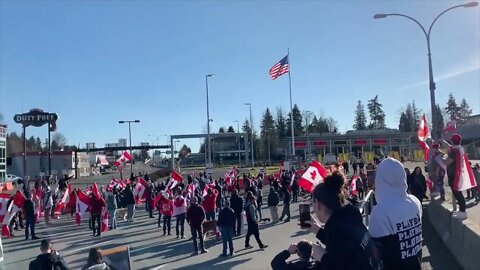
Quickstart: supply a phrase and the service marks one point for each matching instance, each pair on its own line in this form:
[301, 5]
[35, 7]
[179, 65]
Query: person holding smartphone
[49, 259]
[344, 231]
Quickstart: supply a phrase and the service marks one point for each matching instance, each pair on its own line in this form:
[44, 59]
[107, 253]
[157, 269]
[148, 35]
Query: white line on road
[159, 267]
[71, 252]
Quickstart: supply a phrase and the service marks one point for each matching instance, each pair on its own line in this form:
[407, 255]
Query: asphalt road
[150, 250]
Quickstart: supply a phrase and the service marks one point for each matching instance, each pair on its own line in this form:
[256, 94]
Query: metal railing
[366, 205]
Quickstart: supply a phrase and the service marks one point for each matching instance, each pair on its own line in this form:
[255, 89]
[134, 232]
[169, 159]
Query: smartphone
[304, 210]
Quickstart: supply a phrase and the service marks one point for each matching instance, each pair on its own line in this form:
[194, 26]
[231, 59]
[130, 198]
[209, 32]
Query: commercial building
[363, 144]
[63, 162]
[3, 153]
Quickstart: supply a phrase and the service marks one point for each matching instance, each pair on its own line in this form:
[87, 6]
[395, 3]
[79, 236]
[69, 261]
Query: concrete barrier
[461, 237]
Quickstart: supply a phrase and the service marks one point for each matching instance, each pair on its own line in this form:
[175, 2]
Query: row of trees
[15, 143]
[377, 115]
[410, 118]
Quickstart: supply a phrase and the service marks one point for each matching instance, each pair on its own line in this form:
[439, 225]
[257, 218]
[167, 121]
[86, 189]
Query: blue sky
[97, 62]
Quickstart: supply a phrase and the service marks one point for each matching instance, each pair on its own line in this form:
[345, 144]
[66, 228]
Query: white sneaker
[460, 215]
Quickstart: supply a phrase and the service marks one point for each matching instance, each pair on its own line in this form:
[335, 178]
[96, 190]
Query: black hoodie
[48, 261]
[348, 243]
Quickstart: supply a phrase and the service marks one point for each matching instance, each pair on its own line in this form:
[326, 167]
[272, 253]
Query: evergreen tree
[31, 143]
[403, 125]
[38, 144]
[464, 111]
[297, 122]
[221, 130]
[452, 108]
[230, 130]
[280, 124]
[441, 122]
[416, 114]
[360, 121]
[267, 133]
[377, 115]
[409, 115]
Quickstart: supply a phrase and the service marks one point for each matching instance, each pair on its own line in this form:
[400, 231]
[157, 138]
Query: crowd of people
[226, 209]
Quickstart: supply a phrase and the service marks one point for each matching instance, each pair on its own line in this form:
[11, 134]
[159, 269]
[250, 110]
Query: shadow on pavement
[214, 264]
[438, 256]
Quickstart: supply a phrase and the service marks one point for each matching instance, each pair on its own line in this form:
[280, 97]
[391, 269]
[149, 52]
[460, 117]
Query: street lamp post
[435, 127]
[130, 138]
[307, 115]
[251, 132]
[238, 143]
[208, 124]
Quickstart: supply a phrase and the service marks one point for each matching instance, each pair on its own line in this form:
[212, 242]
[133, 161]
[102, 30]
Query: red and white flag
[191, 190]
[464, 178]
[175, 178]
[3, 205]
[16, 205]
[123, 158]
[451, 126]
[423, 133]
[112, 184]
[63, 201]
[353, 186]
[105, 222]
[139, 191]
[95, 190]
[313, 176]
[83, 201]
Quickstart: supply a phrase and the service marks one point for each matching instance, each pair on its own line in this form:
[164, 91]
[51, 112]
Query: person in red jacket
[209, 203]
[97, 205]
[166, 209]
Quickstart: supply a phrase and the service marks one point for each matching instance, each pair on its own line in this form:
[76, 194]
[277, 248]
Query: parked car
[14, 179]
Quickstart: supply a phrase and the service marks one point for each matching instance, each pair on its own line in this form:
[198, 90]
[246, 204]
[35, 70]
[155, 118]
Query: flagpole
[291, 107]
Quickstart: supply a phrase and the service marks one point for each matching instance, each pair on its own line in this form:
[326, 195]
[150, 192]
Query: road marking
[71, 252]
[159, 267]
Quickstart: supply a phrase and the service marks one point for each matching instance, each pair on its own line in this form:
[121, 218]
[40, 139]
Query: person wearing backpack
[347, 242]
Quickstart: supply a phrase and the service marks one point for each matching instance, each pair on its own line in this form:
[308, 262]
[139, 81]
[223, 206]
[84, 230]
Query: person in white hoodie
[179, 211]
[396, 221]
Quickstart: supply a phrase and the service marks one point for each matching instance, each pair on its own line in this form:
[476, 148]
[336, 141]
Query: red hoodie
[210, 201]
[166, 207]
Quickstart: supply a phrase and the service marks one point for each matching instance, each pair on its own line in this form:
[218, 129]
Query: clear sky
[97, 62]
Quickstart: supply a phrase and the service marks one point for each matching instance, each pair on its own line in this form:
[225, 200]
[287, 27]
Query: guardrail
[366, 205]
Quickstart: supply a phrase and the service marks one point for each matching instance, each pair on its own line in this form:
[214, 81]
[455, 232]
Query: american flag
[279, 68]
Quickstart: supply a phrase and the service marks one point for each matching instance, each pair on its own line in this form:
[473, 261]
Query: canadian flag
[312, 176]
[83, 201]
[353, 186]
[191, 190]
[121, 184]
[464, 178]
[3, 205]
[17, 204]
[95, 190]
[451, 126]
[105, 222]
[123, 158]
[138, 192]
[423, 133]
[111, 185]
[175, 178]
[61, 204]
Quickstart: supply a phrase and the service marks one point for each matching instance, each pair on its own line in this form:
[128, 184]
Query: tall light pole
[307, 115]
[208, 123]
[238, 143]
[130, 138]
[251, 132]
[435, 127]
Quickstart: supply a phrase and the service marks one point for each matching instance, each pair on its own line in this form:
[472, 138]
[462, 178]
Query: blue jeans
[210, 215]
[227, 235]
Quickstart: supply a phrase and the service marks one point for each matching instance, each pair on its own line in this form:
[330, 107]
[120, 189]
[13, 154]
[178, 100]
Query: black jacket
[226, 218]
[343, 235]
[279, 263]
[128, 197]
[236, 203]
[48, 261]
[273, 198]
[29, 208]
